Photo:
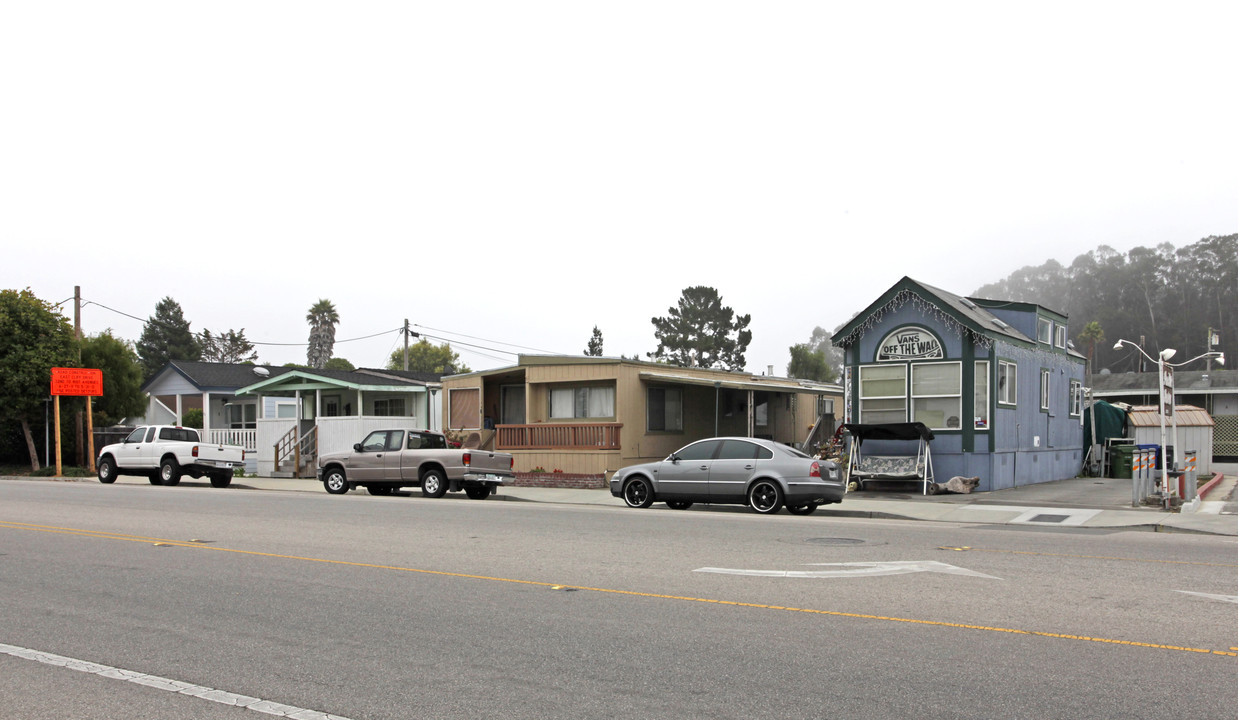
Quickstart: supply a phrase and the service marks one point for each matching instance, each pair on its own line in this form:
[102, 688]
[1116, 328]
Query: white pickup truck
[164, 452]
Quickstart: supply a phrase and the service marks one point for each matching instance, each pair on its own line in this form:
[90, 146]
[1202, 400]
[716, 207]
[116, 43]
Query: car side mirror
[356, 447]
[673, 458]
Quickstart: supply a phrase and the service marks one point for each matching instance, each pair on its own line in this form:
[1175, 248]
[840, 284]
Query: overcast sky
[519, 172]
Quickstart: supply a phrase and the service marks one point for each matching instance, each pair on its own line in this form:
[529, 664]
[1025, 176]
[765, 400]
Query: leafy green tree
[322, 318]
[34, 338]
[122, 378]
[338, 364]
[166, 337]
[594, 349]
[229, 347]
[701, 332]
[809, 364]
[1093, 334]
[426, 357]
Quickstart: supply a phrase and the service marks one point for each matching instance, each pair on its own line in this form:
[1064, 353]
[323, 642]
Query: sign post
[77, 382]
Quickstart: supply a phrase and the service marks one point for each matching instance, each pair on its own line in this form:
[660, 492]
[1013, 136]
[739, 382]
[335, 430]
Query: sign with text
[77, 382]
[909, 343]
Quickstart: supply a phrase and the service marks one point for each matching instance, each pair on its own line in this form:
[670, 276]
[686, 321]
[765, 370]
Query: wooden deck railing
[559, 436]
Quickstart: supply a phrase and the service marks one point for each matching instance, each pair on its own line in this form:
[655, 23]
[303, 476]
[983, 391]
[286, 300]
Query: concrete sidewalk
[1078, 502]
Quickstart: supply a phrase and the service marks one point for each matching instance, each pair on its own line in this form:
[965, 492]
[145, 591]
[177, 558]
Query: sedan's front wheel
[638, 493]
[765, 497]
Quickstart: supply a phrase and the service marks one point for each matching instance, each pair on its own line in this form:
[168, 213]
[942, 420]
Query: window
[1007, 383]
[699, 451]
[178, 434]
[464, 408]
[375, 441]
[389, 407]
[242, 417]
[1076, 398]
[286, 411]
[936, 395]
[1060, 340]
[665, 408]
[426, 441]
[1044, 330]
[739, 450]
[1044, 388]
[883, 393]
[582, 402]
[136, 436]
[980, 395]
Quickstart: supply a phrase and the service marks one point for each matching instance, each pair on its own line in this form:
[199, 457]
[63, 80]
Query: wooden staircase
[296, 457]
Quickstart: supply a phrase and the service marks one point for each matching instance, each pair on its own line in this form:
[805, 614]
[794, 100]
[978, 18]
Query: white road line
[854, 569]
[1210, 596]
[182, 688]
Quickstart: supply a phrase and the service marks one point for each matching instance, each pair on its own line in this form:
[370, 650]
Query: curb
[1216, 480]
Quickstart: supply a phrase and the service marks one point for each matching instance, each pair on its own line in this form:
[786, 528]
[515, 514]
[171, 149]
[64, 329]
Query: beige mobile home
[590, 415]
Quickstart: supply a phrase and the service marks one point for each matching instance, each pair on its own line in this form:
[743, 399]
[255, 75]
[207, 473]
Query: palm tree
[322, 319]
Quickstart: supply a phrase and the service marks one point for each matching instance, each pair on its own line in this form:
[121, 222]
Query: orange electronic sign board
[77, 381]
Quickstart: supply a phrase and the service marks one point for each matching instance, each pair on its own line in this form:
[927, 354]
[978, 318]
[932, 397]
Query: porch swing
[862, 469]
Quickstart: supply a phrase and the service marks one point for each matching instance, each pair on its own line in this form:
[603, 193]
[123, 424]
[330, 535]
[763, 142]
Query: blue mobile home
[999, 383]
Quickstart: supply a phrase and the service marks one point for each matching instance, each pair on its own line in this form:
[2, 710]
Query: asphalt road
[399, 607]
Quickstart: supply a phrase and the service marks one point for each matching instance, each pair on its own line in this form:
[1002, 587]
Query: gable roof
[968, 313]
[368, 380]
[213, 376]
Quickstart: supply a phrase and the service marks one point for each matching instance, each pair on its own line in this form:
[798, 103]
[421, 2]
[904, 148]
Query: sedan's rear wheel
[638, 493]
[765, 497]
[805, 509]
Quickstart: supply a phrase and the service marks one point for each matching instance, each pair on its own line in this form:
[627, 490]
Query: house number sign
[909, 343]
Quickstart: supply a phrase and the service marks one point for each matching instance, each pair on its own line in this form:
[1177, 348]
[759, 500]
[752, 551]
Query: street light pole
[1165, 383]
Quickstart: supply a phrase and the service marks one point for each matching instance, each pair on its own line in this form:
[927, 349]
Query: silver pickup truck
[387, 460]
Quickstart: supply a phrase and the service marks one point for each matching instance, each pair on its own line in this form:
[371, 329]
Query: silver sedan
[762, 474]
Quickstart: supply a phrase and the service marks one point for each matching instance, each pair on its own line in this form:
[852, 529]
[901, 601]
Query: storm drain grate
[1049, 518]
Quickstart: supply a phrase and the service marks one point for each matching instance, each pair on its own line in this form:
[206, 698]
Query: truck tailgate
[220, 455]
[482, 461]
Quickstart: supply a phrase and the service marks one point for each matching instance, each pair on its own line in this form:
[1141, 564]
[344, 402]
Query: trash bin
[1121, 459]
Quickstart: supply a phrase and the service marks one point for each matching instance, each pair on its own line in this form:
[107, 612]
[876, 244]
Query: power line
[151, 321]
[498, 342]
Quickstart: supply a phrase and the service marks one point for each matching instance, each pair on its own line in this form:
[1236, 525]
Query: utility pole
[77, 334]
[405, 344]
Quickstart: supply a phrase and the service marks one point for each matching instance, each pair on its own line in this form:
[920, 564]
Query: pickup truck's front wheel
[335, 482]
[107, 471]
[169, 471]
[433, 484]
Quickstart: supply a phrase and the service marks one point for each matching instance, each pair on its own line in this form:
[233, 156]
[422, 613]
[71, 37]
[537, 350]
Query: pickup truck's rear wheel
[433, 484]
[222, 479]
[335, 482]
[480, 492]
[169, 471]
[107, 471]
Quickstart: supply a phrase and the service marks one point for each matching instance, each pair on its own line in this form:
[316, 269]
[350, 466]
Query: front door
[511, 411]
[686, 472]
[369, 461]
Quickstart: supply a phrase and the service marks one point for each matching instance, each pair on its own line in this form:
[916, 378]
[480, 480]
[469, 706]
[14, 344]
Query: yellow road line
[631, 593]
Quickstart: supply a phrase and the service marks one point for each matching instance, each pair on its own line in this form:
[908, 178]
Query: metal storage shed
[1194, 431]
